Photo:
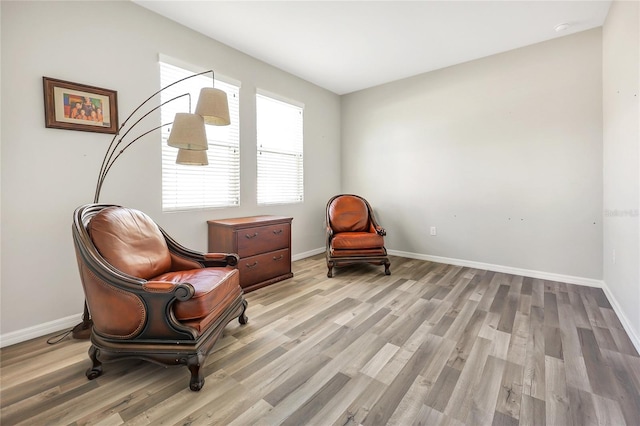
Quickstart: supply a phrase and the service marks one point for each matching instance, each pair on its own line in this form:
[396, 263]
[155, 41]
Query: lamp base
[82, 331]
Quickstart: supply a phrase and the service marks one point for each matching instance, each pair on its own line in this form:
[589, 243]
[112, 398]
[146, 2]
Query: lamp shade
[192, 158]
[213, 106]
[188, 132]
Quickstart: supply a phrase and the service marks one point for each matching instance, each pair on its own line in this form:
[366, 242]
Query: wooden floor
[431, 344]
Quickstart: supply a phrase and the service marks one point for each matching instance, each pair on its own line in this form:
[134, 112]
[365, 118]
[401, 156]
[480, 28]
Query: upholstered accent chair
[149, 297]
[353, 235]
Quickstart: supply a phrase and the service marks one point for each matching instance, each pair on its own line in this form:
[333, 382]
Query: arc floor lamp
[187, 133]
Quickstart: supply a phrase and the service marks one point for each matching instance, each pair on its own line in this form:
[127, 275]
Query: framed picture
[75, 106]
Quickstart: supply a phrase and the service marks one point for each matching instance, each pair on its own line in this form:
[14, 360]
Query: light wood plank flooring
[431, 344]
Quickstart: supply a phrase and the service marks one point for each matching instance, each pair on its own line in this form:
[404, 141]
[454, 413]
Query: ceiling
[345, 46]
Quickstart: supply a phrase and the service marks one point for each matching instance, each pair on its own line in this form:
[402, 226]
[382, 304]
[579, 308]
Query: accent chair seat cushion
[357, 240]
[213, 288]
[359, 253]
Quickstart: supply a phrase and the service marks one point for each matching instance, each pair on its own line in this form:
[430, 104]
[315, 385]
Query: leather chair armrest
[182, 291]
[221, 259]
[158, 286]
[159, 296]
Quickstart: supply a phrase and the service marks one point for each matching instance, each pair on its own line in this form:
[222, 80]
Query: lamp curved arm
[147, 100]
[112, 149]
[109, 158]
[106, 170]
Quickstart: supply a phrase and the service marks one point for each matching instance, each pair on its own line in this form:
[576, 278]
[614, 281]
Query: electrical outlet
[433, 231]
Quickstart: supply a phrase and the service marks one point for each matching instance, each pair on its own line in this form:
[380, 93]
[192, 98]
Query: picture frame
[74, 106]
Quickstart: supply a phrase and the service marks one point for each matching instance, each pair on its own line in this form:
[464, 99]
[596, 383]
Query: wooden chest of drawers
[263, 244]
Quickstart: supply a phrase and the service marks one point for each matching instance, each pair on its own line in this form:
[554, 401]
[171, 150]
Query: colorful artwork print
[74, 106]
[83, 108]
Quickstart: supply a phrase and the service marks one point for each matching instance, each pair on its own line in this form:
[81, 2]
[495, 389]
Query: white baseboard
[628, 327]
[306, 254]
[504, 269]
[39, 330]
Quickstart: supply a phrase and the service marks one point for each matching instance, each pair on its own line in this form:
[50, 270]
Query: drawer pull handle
[278, 258]
[253, 265]
[255, 234]
[277, 231]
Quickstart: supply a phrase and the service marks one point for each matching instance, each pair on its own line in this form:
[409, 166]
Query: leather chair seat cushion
[215, 289]
[202, 324]
[357, 241]
[130, 241]
[358, 253]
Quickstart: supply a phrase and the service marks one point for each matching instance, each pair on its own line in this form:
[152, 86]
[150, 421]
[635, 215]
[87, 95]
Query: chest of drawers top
[248, 236]
[250, 221]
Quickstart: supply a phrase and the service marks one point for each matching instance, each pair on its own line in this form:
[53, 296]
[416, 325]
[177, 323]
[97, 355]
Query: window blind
[280, 151]
[198, 187]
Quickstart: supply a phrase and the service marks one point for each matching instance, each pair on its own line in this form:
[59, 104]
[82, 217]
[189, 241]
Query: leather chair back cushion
[349, 214]
[130, 241]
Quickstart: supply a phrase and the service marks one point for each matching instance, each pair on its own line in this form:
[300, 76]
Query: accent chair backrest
[348, 213]
[130, 241]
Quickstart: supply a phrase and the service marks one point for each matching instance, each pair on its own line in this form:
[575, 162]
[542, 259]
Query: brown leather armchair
[353, 235]
[148, 296]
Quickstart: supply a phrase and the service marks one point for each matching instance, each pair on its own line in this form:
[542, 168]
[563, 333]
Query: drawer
[263, 267]
[261, 239]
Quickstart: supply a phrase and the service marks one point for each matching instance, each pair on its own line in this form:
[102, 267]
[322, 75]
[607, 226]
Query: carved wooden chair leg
[330, 271]
[197, 377]
[242, 319]
[96, 369]
[387, 264]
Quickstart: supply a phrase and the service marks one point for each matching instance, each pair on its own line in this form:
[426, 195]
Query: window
[280, 160]
[197, 187]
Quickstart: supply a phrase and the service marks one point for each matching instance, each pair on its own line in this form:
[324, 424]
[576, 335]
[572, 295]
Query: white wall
[503, 155]
[47, 173]
[621, 93]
